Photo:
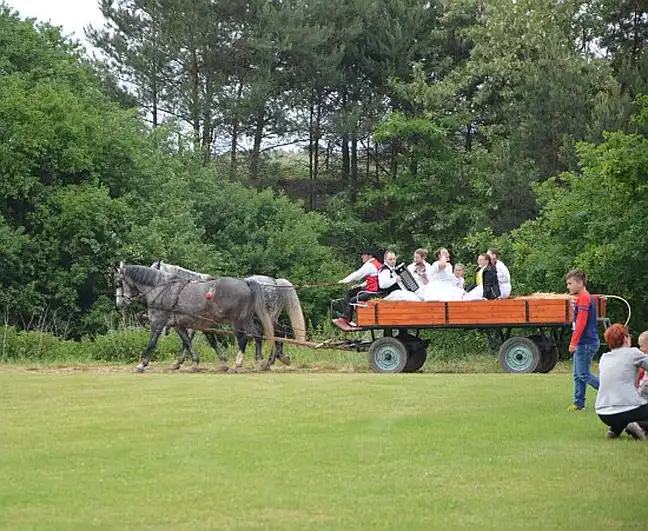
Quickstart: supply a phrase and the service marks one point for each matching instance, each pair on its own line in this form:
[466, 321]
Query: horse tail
[293, 307]
[261, 311]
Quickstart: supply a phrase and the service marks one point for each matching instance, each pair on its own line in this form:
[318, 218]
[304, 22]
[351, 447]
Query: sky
[73, 15]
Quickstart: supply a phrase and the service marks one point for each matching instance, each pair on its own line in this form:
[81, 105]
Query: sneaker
[611, 435]
[575, 407]
[352, 323]
[634, 430]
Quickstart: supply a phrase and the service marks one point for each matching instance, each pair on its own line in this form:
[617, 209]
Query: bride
[442, 285]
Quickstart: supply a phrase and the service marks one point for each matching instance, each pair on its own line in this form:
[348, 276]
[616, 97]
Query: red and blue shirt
[585, 319]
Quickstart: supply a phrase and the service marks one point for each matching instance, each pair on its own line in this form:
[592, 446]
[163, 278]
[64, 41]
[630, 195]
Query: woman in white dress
[442, 285]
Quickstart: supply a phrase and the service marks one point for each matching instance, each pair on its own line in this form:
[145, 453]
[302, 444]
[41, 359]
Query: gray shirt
[618, 371]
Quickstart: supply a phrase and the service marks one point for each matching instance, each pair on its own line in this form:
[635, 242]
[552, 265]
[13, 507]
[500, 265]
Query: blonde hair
[423, 252]
[643, 336]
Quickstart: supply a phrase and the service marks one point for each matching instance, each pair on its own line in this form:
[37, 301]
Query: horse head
[125, 291]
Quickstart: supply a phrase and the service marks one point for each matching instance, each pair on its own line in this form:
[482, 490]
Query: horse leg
[213, 343]
[242, 338]
[258, 348]
[280, 331]
[156, 330]
[182, 356]
[186, 340]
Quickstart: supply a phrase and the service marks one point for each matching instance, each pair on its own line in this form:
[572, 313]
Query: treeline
[466, 124]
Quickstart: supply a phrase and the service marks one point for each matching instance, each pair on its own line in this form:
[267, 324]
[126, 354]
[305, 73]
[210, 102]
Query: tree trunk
[208, 126]
[195, 103]
[354, 158]
[346, 171]
[327, 157]
[376, 165]
[154, 95]
[235, 133]
[394, 159]
[256, 148]
[311, 156]
[318, 132]
[368, 160]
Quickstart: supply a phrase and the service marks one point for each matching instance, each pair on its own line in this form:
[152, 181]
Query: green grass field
[115, 450]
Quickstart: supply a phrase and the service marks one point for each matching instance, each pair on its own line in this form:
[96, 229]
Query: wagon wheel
[387, 354]
[549, 352]
[416, 356]
[519, 355]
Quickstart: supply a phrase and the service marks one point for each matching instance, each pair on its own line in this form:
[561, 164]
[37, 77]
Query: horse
[183, 304]
[278, 295]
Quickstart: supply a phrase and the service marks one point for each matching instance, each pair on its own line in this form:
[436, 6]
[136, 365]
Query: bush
[35, 346]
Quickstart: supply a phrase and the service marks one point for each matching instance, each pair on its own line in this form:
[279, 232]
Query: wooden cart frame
[401, 349]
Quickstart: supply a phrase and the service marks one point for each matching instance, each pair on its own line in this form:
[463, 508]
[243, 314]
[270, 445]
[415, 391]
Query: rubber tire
[415, 358]
[388, 347]
[549, 351]
[527, 347]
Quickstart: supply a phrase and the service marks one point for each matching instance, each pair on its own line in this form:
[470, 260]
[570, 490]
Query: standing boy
[585, 342]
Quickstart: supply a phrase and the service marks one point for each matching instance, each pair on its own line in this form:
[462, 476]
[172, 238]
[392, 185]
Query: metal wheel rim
[519, 358]
[387, 358]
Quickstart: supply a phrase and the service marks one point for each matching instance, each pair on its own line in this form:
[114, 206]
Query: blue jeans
[582, 376]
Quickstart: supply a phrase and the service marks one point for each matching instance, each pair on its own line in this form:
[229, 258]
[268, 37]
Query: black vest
[391, 289]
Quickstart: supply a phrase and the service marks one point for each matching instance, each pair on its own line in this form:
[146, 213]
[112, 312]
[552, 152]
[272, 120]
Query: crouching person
[618, 403]
[360, 292]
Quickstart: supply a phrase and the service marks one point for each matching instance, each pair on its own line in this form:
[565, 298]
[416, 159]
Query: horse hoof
[139, 369]
[195, 369]
[174, 367]
[285, 360]
[232, 370]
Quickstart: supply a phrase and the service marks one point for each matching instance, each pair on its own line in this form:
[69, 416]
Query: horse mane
[181, 272]
[146, 275]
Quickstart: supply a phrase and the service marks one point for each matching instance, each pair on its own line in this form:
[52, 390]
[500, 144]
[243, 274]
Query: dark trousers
[619, 421]
[354, 296]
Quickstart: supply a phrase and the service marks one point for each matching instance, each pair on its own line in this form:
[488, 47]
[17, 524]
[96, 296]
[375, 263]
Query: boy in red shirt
[585, 341]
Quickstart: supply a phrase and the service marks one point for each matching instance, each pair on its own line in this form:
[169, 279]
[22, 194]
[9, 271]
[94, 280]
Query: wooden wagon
[400, 348]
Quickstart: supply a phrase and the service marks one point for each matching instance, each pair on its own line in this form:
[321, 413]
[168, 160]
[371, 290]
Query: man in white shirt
[503, 274]
[388, 279]
[360, 292]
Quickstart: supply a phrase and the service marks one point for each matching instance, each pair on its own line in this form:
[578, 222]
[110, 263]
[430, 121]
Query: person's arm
[367, 269]
[385, 280]
[583, 305]
[504, 272]
[640, 360]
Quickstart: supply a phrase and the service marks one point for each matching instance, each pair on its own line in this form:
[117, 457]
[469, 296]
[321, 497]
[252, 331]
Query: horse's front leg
[156, 330]
[182, 356]
[186, 341]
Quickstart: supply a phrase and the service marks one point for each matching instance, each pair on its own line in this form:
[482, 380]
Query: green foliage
[86, 184]
[594, 220]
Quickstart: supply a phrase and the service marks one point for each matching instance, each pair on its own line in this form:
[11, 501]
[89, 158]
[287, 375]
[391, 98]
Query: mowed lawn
[310, 451]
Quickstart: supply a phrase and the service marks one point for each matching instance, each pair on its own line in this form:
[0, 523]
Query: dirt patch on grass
[165, 369]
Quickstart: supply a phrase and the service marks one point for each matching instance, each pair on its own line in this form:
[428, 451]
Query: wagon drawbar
[401, 349]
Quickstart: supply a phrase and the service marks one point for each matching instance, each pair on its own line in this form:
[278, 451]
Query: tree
[592, 219]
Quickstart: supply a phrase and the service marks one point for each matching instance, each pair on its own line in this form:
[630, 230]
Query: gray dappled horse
[278, 295]
[183, 304]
